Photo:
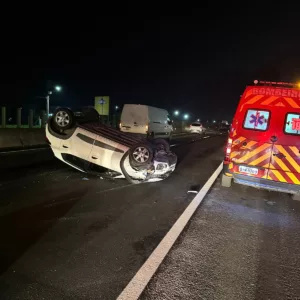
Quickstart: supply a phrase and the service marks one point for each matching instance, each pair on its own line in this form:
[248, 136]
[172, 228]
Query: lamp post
[48, 103]
[58, 89]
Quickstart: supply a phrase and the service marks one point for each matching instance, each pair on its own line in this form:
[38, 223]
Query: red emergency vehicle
[263, 148]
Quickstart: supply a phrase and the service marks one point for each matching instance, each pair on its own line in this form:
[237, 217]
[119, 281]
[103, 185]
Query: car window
[257, 119]
[196, 124]
[292, 123]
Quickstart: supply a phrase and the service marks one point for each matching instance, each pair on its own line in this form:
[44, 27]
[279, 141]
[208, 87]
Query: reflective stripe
[260, 159]
[293, 177]
[269, 100]
[291, 102]
[278, 175]
[288, 158]
[281, 164]
[254, 152]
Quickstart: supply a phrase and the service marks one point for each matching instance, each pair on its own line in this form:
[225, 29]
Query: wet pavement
[68, 235]
[242, 243]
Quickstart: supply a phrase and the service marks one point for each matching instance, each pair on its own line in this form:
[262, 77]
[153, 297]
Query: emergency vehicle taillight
[228, 149]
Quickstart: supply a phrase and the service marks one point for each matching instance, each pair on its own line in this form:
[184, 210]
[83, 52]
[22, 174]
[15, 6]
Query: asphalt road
[242, 243]
[68, 235]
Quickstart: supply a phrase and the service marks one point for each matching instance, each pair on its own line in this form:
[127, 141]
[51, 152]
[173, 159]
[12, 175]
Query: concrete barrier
[33, 137]
[22, 138]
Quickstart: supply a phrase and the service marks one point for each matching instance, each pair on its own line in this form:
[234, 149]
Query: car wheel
[90, 114]
[161, 144]
[63, 118]
[226, 181]
[125, 173]
[140, 155]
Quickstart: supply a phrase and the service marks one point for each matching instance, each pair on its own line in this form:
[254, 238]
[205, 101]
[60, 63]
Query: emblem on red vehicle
[295, 124]
[257, 119]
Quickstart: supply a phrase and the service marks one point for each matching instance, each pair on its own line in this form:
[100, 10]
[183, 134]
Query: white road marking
[24, 150]
[138, 283]
[205, 137]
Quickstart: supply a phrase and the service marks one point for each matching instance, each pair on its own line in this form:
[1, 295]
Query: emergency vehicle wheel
[140, 155]
[226, 181]
[296, 197]
[63, 119]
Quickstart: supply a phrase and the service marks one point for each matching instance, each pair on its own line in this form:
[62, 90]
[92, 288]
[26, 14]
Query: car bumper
[196, 130]
[261, 183]
[164, 165]
[267, 184]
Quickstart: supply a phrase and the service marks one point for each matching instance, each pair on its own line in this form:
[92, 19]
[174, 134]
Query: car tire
[63, 119]
[161, 144]
[126, 175]
[226, 181]
[90, 114]
[140, 155]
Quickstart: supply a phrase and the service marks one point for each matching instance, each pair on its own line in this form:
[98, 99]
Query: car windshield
[196, 124]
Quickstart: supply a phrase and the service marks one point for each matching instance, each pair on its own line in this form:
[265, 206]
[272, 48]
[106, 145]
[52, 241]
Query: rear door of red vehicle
[285, 159]
[251, 143]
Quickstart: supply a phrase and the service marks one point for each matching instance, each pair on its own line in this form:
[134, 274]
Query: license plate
[248, 170]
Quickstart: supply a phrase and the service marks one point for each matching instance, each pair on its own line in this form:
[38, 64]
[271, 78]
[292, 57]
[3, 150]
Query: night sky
[198, 63]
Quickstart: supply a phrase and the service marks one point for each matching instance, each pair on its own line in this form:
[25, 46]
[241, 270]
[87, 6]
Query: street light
[176, 112]
[186, 116]
[58, 89]
[117, 107]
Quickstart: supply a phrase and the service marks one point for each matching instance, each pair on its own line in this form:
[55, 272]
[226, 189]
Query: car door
[285, 159]
[107, 153]
[76, 149]
[252, 145]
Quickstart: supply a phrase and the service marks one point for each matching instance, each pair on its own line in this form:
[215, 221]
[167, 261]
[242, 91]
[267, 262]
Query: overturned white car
[81, 141]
